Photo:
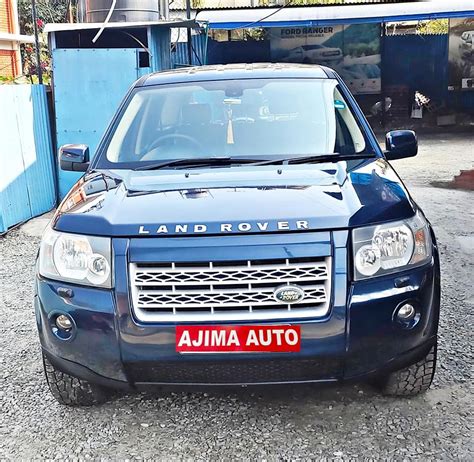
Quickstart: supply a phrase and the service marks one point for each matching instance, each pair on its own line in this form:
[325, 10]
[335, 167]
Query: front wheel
[411, 380]
[72, 391]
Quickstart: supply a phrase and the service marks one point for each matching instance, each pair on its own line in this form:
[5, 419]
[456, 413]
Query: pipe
[107, 19]
[37, 44]
[190, 38]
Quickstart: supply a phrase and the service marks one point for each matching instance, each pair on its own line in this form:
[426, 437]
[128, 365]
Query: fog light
[406, 312]
[63, 322]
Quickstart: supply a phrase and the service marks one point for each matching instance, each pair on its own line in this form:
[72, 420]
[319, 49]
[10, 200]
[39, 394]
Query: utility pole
[190, 43]
[37, 44]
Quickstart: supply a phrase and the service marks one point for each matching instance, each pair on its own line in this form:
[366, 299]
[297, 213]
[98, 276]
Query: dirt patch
[465, 180]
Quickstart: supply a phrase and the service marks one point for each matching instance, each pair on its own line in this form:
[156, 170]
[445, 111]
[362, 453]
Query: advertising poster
[353, 51]
[461, 54]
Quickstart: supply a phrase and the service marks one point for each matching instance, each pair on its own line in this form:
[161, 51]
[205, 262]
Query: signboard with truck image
[353, 51]
[461, 54]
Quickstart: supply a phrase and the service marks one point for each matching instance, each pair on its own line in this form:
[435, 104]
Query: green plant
[47, 11]
[436, 26]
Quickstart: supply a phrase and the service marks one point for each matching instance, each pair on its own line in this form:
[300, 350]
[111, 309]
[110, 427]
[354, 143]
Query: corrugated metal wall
[179, 51]
[27, 168]
[420, 62]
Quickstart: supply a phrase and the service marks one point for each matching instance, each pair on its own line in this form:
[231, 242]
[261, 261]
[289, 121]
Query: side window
[349, 136]
[344, 144]
[127, 126]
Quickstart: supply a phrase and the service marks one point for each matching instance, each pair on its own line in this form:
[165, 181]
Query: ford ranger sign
[226, 227]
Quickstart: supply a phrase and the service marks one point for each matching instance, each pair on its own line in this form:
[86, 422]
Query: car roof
[236, 71]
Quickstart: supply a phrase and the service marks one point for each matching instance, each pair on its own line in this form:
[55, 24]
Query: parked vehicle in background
[362, 74]
[238, 225]
[314, 54]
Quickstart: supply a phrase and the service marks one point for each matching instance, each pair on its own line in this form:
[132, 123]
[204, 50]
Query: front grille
[228, 290]
[235, 372]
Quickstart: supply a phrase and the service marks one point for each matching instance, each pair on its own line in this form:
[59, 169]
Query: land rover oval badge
[288, 294]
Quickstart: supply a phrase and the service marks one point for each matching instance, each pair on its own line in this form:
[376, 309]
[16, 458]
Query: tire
[412, 380]
[71, 391]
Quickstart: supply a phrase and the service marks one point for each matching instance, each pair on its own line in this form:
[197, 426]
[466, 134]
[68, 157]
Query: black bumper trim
[399, 362]
[83, 372]
[236, 371]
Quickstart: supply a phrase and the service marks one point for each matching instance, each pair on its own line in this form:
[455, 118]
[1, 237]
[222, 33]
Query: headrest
[196, 114]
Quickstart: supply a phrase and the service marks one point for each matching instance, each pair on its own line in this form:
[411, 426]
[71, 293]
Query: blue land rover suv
[237, 225]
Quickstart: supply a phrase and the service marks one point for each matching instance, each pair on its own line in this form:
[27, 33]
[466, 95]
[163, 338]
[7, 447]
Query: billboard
[353, 51]
[461, 54]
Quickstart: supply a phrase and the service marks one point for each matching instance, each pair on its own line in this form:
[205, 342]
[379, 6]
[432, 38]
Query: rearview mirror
[74, 157]
[400, 144]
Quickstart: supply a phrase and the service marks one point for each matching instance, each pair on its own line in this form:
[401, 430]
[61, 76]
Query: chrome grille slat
[219, 275]
[185, 299]
[213, 291]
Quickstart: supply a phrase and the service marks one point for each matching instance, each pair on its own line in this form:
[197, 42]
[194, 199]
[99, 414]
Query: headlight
[390, 247]
[75, 258]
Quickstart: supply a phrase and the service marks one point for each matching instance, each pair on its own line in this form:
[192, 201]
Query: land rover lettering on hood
[237, 225]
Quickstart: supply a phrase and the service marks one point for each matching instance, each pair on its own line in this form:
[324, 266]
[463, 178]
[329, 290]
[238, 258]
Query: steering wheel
[174, 136]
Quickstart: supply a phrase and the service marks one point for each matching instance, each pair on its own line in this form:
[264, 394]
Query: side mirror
[74, 157]
[400, 144]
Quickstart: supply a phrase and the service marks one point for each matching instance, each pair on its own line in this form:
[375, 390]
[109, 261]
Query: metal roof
[180, 5]
[342, 14]
[60, 27]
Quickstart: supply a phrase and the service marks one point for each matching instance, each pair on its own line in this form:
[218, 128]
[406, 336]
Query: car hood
[238, 199]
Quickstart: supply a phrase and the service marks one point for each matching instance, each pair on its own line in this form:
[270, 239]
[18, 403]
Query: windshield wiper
[334, 157]
[210, 161]
[199, 162]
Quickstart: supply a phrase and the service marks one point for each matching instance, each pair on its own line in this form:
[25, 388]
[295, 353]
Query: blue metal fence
[27, 168]
[249, 51]
[420, 62]
[88, 87]
[179, 52]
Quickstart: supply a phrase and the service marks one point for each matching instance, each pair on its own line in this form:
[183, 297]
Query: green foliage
[436, 26]
[47, 11]
[256, 33]
[4, 80]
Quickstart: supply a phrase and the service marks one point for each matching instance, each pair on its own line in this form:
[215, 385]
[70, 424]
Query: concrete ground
[339, 422]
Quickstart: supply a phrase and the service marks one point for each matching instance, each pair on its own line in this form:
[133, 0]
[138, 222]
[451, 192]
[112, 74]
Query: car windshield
[254, 118]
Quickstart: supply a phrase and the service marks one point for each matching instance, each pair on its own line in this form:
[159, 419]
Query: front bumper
[358, 337]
